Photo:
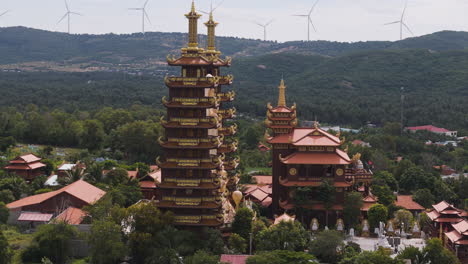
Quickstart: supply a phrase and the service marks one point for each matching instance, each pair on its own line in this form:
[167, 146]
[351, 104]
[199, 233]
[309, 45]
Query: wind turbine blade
[404, 10]
[313, 7]
[391, 23]
[256, 23]
[312, 23]
[301, 15]
[74, 13]
[64, 16]
[147, 17]
[134, 9]
[269, 22]
[66, 5]
[4, 13]
[144, 6]
[408, 29]
[218, 5]
[204, 12]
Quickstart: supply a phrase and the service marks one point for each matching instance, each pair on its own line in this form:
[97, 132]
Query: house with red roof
[28, 166]
[76, 195]
[407, 202]
[433, 129]
[149, 183]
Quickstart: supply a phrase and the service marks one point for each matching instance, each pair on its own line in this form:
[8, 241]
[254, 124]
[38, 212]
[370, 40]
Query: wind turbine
[401, 22]
[68, 15]
[2, 14]
[264, 26]
[211, 8]
[143, 15]
[309, 20]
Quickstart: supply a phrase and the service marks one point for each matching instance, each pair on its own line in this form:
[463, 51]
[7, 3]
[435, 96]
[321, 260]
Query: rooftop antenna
[68, 15]
[309, 20]
[402, 22]
[264, 26]
[143, 16]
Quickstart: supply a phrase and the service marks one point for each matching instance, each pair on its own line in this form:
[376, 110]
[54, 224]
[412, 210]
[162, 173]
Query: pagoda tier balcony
[192, 143]
[177, 122]
[185, 102]
[311, 182]
[198, 58]
[228, 147]
[227, 113]
[198, 82]
[192, 183]
[176, 163]
[228, 131]
[206, 202]
[199, 220]
[227, 96]
[281, 116]
[281, 123]
[357, 175]
[231, 164]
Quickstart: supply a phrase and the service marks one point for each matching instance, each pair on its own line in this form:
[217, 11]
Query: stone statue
[314, 226]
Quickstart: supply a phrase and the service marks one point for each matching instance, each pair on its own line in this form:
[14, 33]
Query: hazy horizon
[336, 20]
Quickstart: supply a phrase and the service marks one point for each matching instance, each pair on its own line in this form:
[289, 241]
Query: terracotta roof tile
[261, 179]
[336, 158]
[453, 235]
[72, 216]
[284, 217]
[28, 158]
[34, 217]
[407, 202]
[234, 259]
[79, 189]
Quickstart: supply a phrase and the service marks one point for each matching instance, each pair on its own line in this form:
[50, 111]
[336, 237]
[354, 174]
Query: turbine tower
[143, 15]
[401, 22]
[309, 20]
[68, 15]
[264, 26]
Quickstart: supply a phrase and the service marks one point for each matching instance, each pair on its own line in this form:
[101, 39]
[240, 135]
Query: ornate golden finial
[211, 25]
[282, 94]
[193, 17]
[316, 125]
[356, 157]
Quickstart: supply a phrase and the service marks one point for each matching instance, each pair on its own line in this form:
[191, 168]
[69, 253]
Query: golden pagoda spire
[211, 25]
[282, 94]
[193, 17]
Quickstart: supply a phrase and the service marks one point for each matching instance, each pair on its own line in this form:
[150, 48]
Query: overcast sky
[336, 20]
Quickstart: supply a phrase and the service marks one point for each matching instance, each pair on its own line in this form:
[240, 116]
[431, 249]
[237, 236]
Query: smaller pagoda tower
[281, 119]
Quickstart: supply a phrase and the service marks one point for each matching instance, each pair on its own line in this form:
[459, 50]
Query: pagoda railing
[190, 81]
[192, 162]
[186, 101]
[191, 121]
[194, 141]
[186, 182]
[193, 201]
[195, 219]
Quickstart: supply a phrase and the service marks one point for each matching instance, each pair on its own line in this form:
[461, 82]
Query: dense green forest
[346, 90]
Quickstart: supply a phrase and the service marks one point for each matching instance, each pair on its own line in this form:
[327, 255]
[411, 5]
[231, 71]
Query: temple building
[27, 166]
[197, 171]
[307, 157]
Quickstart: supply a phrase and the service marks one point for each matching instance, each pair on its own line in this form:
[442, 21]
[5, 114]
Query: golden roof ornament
[356, 157]
[282, 93]
[193, 17]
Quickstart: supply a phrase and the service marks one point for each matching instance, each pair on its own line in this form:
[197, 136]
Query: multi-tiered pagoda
[305, 157]
[197, 170]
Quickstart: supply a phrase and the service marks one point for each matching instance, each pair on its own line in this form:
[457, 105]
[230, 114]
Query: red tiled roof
[441, 206]
[429, 128]
[284, 217]
[337, 158]
[281, 109]
[24, 166]
[448, 220]
[79, 189]
[306, 137]
[406, 201]
[148, 184]
[234, 259]
[453, 235]
[433, 215]
[27, 158]
[263, 179]
[461, 227]
[258, 194]
[72, 216]
[366, 206]
[34, 217]
[267, 202]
